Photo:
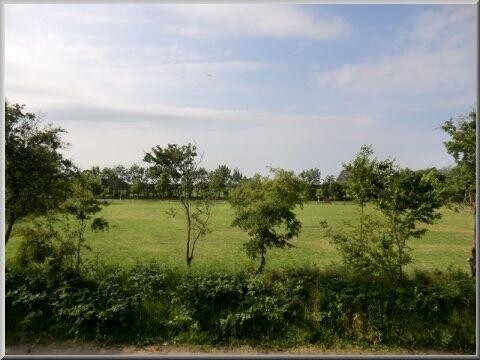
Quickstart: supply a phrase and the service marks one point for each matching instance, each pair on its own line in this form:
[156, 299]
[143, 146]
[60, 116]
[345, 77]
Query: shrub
[151, 304]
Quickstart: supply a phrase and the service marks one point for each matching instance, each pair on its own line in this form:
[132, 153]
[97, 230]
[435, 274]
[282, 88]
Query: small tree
[181, 165]
[408, 198]
[403, 200]
[82, 207]
[365, 178]
[362, 177]
[461, 183]
[264, 208]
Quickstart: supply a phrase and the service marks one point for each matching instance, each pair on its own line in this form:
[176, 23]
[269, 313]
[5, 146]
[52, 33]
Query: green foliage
[367, 246]
[403, 197]
[236, 177]
[180, 165]
[462, 143]
[37, 176]
[82, 207]
[177, 163]
[71, 305]
[461, 184]
[312, 179]
[331, 190]
[409, 198]
[263, 207]
[151, 304]
[220, 180]
[41, 241]
[57, 240]
[367, 176]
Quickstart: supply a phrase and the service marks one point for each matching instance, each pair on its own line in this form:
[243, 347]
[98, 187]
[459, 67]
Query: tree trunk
[262, 263]
[188, 257]
[9, 231]
[78, 256]
[472, 260]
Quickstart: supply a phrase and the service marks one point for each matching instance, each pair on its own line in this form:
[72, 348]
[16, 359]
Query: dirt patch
[92, 349]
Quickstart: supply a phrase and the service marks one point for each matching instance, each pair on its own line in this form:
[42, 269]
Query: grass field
[140, 231]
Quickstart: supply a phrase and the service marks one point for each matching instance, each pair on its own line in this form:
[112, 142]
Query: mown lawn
[141, 231]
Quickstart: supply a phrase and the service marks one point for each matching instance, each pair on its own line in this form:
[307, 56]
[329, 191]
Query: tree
[94, 182]
[202, 184]
[236, 178]
[461, 182]
[403, 199]
[82, 206]
[37, 176]
[137, 187]
[219, 180]
[136, 178]
[408, 198]
[361, 176]
[181, 165]
[327, 190]
[263, 206]
[114, 180]
[312, 179]
[364, 176]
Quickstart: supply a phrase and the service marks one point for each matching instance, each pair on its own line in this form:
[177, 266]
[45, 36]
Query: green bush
[151, 304]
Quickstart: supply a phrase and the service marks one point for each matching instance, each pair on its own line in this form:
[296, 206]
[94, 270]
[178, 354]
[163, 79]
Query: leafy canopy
[264, 208]
[402, 199]
[37, 176]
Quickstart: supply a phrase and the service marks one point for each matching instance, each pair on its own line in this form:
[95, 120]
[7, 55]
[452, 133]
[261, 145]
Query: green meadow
[141, 231]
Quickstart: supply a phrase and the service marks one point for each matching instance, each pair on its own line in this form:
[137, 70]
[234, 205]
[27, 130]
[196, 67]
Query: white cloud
[49, 67]
[209, 20]
[437, 57]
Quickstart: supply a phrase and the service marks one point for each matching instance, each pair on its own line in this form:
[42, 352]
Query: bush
[151, 304]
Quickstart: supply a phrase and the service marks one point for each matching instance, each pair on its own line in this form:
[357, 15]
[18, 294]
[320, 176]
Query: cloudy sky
[253, 85]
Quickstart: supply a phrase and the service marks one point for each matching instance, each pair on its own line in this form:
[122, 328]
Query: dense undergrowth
[150, 304]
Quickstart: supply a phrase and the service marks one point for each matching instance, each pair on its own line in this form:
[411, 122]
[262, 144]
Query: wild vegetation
[57, 287]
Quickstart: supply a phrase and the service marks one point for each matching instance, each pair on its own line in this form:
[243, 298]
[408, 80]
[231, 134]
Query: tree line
[40, 180]
[147, 182]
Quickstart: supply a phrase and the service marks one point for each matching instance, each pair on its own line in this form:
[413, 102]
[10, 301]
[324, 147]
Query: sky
[291, 86]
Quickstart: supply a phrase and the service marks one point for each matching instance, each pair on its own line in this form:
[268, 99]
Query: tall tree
[181, 164]
[220, 180]
[462, 179]
[236, 177]
[327, 188]
[312, 178]
[37, 176]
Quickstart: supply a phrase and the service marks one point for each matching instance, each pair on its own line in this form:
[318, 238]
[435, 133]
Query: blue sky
[295, 86]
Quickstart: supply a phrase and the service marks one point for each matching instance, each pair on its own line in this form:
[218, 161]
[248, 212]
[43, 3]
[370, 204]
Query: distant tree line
[153, 182]
[150, 182]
